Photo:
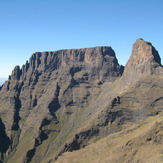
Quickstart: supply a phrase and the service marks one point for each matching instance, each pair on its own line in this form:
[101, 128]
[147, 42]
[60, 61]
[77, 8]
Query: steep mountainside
[137, 143]
[66, 100]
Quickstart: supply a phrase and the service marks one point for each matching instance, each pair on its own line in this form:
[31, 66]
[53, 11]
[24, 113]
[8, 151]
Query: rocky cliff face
[100, 63]
[39, 97]
[64, 100]
[144, 60]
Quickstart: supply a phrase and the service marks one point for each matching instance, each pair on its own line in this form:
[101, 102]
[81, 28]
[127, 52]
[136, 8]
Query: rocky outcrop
[99, 63]
[16, 73]
[144, 60]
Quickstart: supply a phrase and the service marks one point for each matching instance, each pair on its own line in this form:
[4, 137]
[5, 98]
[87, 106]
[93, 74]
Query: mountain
[80, 105]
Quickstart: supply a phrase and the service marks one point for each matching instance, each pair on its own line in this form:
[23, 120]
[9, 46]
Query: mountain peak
[144, 59]
[144, 50]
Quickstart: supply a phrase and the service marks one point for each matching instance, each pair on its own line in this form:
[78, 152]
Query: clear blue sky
[27, 26]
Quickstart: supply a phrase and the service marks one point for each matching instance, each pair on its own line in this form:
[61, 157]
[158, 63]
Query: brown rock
[144, 60]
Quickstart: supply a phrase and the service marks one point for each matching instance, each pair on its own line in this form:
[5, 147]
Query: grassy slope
[143, 94]
[130, 145]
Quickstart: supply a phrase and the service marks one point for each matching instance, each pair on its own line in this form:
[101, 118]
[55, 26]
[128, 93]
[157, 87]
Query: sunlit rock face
[144, 60]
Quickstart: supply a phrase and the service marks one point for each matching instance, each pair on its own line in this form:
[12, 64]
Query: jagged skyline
[33, 26]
